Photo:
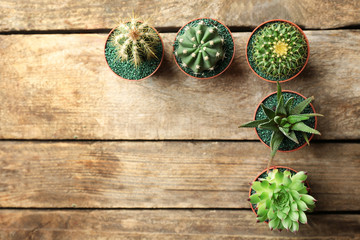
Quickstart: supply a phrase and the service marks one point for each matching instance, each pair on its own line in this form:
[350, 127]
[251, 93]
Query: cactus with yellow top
[279, 50]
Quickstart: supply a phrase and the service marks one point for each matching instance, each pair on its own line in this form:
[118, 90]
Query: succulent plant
[282, 199]
[135, 41]
[285, 121]
[279, 50]
[200, 47]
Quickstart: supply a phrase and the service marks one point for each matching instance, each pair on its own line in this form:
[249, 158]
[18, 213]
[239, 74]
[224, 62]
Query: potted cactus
[277, 50]
[204, 48]
[285, 121]
[134, 50]
[280, 197]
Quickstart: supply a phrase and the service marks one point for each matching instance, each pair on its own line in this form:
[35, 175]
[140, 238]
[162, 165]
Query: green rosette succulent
[281, 199]
[200, 48]
[279, 50]
[285, 121]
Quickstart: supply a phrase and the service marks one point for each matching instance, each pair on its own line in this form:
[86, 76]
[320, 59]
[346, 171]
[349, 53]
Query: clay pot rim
[162, 55]
[232, 58]
[307, 43]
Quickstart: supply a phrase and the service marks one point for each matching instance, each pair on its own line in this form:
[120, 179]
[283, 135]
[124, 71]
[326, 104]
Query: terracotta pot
[278, 20]
[273, 167]
[289, 91]
[223, 69]
[161, 60]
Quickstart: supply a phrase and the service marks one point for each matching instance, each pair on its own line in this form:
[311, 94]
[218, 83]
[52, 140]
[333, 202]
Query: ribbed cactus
[135, 41]
[200, 47]
[279, 50]
[282, 200]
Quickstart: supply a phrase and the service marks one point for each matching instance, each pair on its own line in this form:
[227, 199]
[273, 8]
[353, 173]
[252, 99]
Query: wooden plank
[164, 224]
[165, 174]
[59, 87]
[88, 14]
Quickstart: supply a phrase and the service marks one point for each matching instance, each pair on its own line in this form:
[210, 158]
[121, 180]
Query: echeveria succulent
[285, 120]
[135, 41]
[279, 50]
[282, 199]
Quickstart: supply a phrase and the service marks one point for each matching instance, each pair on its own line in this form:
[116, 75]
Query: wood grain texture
[59, 87]
[164, 224]
[89, 14]
[165, 174]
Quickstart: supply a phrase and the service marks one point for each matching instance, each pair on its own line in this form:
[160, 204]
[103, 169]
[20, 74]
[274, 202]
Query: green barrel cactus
[200, 48]
[282, 199]
[284, 121]
[279, 50]
[135, 41]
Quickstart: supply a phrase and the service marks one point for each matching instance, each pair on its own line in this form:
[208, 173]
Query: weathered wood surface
[164, 224]
[88, 14]
[59, 87]
[165, 174]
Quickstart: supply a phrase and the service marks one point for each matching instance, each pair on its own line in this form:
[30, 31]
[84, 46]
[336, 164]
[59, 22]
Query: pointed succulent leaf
[269, 113]
[294, 227]
[302, 217]
[295, 194]
[271, 214]
[303, 190]
[294, 207]
[270, 125]
[262, 211]
[276, 139]
[301, 205]
[279, 92]
[296, 185]
[274, 223]
[288, 105]
[280, 108]
[287, 173]
[279, 178]
[283, 122]
[294, 216]
[309, 200]
[306, 138]
[256, 186]
[296, 118]
[255, 123]
[311, 114]
[281, 215]
[286, 210]
[302, 127]
[287, 223]
[301, 106]
[289, 134]
[286, 180]
[299, 176]
[262, 218]
[254, 199]
[264, 195]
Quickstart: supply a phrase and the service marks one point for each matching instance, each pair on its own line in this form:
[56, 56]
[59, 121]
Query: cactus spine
[135, 41]
[279, 50]
[200, 47]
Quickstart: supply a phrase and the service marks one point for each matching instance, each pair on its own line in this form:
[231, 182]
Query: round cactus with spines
[281, 199]
[279, 50]
[200, 48]
[135, 41]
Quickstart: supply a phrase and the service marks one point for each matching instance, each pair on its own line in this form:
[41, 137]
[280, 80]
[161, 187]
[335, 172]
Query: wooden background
[86, 155]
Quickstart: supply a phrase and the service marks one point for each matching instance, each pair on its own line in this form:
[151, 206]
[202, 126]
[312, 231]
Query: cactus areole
[281, 197]
[134, 50]
[277, 50]
[204, 48]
